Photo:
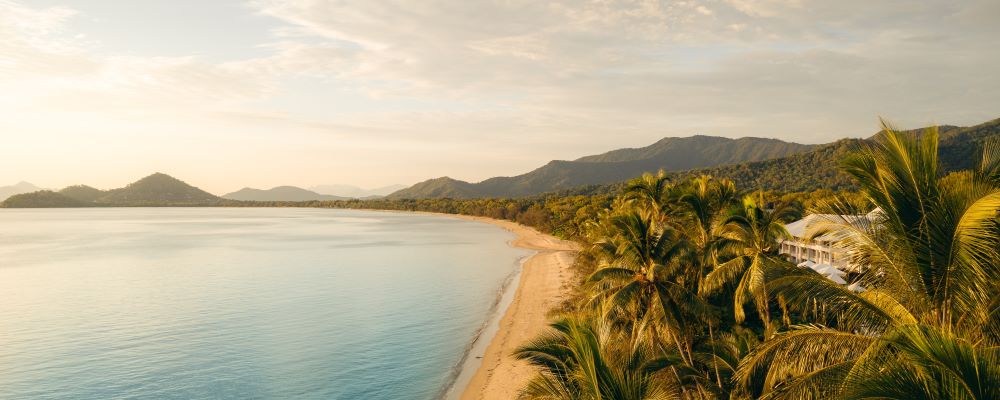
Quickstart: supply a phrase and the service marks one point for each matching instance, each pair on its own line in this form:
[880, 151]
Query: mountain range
[753, 163]
[155, 190]
[670, 154]
[158, 189]
[355, 192]
[280, 193]
[315, 193]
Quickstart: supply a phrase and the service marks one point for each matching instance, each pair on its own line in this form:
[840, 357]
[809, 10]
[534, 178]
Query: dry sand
[543, 283]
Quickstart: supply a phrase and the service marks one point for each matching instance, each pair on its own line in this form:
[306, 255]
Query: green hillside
[677, 153]
[83, 193]
[155, 190]
[671, 154]
[959, 148]
[443, 187]
[813, 169]
[42, 199]
[158, 189]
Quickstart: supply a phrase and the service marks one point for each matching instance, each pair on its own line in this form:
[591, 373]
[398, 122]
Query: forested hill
[671, 154]
[818, 167]
[959, 148]
[155, 190]
[158, 188]
[680, 153]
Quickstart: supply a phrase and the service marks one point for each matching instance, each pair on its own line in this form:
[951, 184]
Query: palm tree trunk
[715, 360]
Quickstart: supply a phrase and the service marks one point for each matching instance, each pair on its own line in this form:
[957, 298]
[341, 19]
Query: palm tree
[928, 326]
[639, 262]
[700, 207]
[750, 236]
[721, 356]
[649, 190]
[702, 201]
[584, 358]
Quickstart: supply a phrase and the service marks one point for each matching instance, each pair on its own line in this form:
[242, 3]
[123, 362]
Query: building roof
[800, 229]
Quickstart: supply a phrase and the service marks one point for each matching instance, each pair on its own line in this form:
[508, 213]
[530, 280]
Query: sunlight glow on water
[240, 303]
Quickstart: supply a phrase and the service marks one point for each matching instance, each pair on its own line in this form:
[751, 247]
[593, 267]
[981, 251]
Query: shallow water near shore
[242, 303]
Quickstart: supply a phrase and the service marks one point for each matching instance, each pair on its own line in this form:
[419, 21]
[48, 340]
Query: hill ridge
[815, 168]
[670, 153]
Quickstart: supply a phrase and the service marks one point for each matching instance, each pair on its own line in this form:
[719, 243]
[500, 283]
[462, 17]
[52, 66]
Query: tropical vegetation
[683, 295]
[686, 296]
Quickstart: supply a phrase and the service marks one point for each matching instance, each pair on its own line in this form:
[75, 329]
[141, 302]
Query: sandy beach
[543, 283]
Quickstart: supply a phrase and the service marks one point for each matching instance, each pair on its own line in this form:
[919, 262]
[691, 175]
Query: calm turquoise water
[241, 303]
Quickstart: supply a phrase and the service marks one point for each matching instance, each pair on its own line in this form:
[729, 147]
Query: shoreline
[542, 282]
[473, 357]
[521, 314]
[541, 285]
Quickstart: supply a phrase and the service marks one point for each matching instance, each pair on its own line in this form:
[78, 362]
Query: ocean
[242, 303]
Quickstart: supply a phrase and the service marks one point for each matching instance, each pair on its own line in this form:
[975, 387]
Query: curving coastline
[542, 284]
[472, 358]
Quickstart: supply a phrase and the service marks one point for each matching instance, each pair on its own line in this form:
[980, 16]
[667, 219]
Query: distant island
[156, 190]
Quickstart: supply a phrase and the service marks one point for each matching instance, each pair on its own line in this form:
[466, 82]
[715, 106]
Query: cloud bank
[405, 90]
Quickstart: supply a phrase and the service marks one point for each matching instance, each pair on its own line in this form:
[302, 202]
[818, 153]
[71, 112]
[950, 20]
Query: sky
[231, 93]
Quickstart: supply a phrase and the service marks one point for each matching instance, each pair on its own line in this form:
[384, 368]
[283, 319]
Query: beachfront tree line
[683, 294]
[686, 297]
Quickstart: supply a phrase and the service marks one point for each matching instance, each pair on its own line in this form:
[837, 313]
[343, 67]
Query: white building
[820, 253]
[800, 248]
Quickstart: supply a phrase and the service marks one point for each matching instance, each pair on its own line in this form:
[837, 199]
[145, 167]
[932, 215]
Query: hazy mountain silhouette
[18, 188]
[354, 191]
[280, 193]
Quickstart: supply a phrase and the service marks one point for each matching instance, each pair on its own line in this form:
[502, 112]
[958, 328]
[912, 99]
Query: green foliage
[41, 199]
[925, 328]
[926, 325]
[583, 359]
[158, 190]
[747, 251]
[83, 193]
[671, 262]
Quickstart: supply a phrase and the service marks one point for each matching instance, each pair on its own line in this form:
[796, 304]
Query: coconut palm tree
[652, 191]
[927, 326]
[700, 208]
[584, 358]
[721, 355]
[750, 237]
[702, 200]
[640, 260]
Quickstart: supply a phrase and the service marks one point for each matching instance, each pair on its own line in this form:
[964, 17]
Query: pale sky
[231, 93]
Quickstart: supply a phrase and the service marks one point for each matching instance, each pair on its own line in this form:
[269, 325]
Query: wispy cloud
[489, 87]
